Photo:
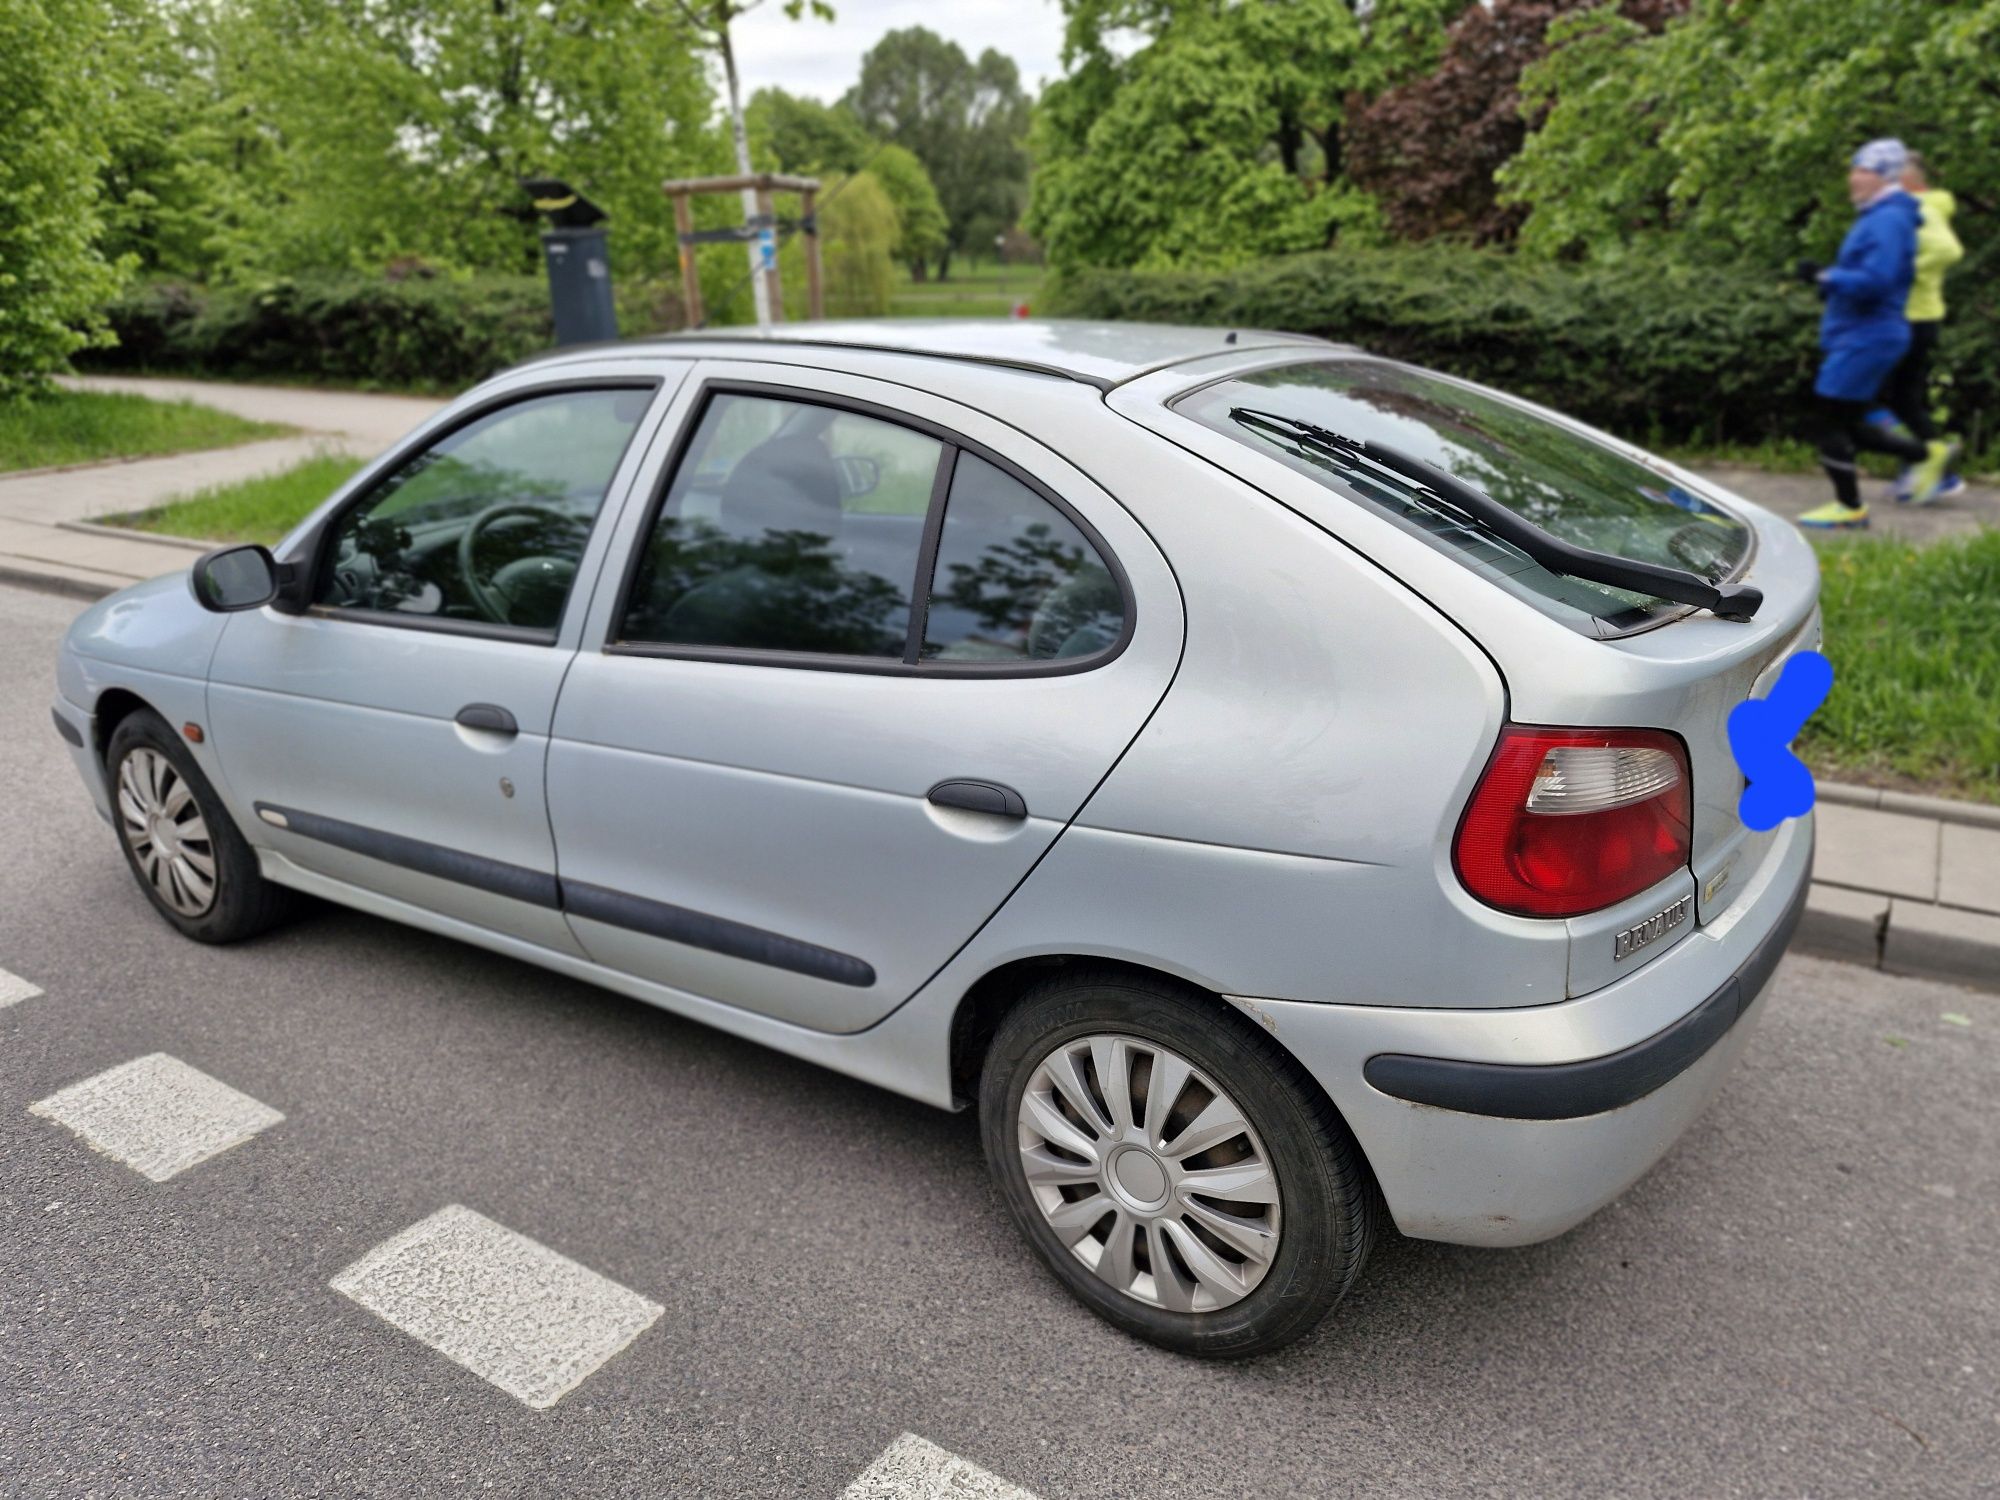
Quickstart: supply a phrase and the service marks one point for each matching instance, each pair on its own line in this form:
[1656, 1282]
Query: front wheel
[183, 848]
[1176, 1169]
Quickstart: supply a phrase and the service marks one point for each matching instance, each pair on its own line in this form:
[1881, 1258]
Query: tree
[1428, 149]
[1220, 139]
[54, 278]
[966, 122]
[1725, 136]
[923, 231]
[355, 133]
[796, 134]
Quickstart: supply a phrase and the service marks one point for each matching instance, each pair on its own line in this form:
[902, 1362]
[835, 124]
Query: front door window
[488, 524]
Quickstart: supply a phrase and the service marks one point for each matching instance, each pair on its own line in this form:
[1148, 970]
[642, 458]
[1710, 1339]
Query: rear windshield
[1565, 483]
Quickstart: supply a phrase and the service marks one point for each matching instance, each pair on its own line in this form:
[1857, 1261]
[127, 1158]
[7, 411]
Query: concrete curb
[1944, 809]
[52, 582]
[127, 533]
[1900, 936]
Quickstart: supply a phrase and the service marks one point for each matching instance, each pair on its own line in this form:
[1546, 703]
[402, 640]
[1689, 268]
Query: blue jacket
[1863, 330]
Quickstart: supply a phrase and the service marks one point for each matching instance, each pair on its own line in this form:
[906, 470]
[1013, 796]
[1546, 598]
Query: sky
[823, 59]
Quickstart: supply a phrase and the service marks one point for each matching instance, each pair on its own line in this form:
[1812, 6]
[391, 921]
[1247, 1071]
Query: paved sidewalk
[39, 511]
[1791, 495]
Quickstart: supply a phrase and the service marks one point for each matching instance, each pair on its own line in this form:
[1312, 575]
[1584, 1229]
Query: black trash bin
[578, 256]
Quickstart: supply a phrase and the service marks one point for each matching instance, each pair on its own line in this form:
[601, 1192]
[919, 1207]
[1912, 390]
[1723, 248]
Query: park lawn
[262, 509]
[986, 290]
[1914, 637]
[58, 427]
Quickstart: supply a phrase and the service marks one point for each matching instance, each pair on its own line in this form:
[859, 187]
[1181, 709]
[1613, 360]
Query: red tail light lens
[1567, 821]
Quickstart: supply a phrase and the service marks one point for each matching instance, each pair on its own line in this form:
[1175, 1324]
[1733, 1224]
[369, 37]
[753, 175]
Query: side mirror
[230, 579]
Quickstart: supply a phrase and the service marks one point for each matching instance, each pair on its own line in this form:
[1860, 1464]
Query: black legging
[1908, 391]
[1844, 427]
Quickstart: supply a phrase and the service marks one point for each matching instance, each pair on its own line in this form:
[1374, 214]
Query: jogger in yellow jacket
[1907, 392]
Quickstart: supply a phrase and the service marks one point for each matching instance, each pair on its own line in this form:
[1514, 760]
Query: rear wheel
[185, 851]
[1175, 1168]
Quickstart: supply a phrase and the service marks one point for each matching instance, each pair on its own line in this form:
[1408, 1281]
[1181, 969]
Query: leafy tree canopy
[54, 279]
[1428, 148]
[1221, 137]
[1730, 130]
[266, 137]
[965, 120]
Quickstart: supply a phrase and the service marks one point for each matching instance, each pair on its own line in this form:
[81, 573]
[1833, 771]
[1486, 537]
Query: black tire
[245, 903]
[1330, 1202]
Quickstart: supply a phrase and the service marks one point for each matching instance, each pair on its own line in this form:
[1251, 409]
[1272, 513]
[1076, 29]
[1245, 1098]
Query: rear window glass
[1565, 483]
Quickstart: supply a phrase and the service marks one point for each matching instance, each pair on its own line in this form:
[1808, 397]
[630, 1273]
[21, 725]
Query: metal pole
[815, 294]
[765, 242]
[772, 302]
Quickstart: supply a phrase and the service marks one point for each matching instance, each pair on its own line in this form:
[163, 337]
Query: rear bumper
[1567, 1091]
[1506, 1127]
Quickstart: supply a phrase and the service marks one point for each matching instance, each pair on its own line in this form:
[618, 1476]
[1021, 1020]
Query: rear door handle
[979, 796]
[490, 717]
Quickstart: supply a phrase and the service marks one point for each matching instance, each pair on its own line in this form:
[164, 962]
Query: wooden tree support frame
[682, 191]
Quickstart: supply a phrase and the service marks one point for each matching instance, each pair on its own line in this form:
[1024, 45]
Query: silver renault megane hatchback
[1277, 787]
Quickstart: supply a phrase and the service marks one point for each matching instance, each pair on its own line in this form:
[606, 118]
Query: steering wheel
[496, 600]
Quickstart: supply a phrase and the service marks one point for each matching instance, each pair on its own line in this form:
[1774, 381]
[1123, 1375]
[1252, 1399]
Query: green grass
[79, 427]
[1914, 637]
[251, 510]
[986, 290]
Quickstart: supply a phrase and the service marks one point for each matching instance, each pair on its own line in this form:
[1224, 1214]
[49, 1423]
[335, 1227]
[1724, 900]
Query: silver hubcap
[166, 832]
[1149, 1173]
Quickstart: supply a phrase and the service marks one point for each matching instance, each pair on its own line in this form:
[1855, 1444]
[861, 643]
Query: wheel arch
[987, 1001]
[113, 707]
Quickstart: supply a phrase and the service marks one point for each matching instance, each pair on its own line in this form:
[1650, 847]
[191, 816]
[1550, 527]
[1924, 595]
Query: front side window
[489, 523]
[788, 527]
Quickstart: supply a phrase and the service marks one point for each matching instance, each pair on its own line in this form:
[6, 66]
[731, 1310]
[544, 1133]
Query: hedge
[1654, 352]
[426, 332]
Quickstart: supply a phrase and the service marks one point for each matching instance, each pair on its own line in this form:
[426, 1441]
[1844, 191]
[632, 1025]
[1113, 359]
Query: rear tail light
[1567, 821]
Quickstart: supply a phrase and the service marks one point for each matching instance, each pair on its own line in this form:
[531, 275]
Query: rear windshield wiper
[1730, 602]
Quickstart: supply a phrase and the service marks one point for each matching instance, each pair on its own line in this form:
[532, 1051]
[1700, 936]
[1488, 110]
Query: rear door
[871, 652]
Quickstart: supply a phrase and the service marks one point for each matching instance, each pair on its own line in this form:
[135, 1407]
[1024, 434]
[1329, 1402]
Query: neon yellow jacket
[1938, 250]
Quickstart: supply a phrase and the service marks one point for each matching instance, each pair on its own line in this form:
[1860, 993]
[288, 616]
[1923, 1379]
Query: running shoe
[1927, 479]
[1833, 516]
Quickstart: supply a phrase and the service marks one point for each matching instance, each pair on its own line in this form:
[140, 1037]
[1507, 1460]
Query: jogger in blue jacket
[1864, 333]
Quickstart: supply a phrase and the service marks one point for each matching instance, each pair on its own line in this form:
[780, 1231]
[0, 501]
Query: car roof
[1099, 354]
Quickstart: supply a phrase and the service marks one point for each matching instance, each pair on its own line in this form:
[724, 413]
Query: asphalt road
[1802, 1300]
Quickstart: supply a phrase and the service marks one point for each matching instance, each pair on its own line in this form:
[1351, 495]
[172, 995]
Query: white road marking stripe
[514, 1312]
[14, 989]
[913, 1469]
[157, 1115]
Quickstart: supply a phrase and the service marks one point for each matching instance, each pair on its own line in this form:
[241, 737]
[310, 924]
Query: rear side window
[1562, 481]
[1016, 580]
[791, 526]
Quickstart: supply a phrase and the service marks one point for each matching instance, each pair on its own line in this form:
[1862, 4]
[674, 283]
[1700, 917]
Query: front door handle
[490, 717]
[979, 796]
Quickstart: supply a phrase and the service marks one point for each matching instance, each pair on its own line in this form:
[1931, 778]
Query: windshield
[1570, 486]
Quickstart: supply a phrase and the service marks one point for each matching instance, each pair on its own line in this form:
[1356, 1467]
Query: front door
[871, 652]
[393, 736]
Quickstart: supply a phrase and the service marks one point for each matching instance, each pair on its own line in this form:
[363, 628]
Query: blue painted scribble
[1761, 731]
